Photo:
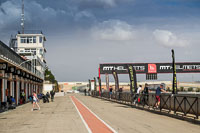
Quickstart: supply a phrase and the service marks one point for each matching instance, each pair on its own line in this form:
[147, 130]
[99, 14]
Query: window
[33, 50]
[27, 50]
[41, 51]
[34, 39]
[30, 39]
[41, 39]
[23, 39]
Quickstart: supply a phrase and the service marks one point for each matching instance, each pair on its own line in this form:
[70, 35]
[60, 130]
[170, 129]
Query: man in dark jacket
[52, 95]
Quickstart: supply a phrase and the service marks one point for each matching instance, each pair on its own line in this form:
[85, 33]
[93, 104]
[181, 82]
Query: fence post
[197, 114]
[170, 103]
[184, 106]
[160, 102]
[174, 104]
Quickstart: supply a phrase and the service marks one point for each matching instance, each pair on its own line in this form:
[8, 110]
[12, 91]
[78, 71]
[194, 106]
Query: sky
[81, 34]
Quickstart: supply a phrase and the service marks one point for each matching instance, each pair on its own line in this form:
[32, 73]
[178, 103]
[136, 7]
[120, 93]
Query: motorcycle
[45, 99]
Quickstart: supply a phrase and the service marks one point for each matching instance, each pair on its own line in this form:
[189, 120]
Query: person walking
[158, 93]
[35, 101]
[136, 101]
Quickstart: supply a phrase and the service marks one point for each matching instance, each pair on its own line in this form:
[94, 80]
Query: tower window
[29, 39]
[41, 39]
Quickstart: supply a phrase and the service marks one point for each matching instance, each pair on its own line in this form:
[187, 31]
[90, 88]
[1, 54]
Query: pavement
[70, 114]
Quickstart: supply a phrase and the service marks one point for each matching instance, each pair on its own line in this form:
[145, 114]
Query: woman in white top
[35, 101]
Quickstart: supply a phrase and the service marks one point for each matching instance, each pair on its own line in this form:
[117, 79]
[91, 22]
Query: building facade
[17, 76]
[31, 46]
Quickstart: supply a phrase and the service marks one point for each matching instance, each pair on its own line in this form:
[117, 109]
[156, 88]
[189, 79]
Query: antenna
[22, 17]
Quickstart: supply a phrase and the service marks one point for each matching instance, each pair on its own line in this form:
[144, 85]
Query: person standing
[85, 91]
[35, 101]
[110, 91]
[158, 93]
[52, 95]
[146, 94]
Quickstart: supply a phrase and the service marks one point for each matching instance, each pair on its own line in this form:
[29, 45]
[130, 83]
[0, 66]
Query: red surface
[95, 125]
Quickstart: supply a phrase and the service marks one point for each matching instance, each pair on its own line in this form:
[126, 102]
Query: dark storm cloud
[83, 33]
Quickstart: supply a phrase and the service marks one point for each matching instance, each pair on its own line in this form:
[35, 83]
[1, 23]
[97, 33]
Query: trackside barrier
[186, 105]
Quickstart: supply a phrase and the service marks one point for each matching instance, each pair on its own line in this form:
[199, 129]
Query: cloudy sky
[83, 33]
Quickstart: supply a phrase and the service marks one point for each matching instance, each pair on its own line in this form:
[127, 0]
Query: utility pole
[22, 17]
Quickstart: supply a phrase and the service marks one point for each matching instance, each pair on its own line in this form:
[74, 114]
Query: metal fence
[185, 105]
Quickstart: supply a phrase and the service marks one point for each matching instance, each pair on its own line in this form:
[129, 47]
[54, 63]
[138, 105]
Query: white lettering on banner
[122, 68]
[179, 67]
[165, 67]
[139, 68]
[110, 68]
[189, 67]
[107, 68]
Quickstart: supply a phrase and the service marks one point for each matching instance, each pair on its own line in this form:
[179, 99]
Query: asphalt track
[83, 114]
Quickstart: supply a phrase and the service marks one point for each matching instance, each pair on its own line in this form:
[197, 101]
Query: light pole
[32, 65]
[24, 62]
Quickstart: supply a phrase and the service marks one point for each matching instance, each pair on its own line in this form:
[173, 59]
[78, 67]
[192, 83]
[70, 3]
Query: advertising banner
[142, 68]
[116, 81]
[89, 85]
[95, 84]
[174, 86]
[99, 79]
[133, 80]
[107, 81]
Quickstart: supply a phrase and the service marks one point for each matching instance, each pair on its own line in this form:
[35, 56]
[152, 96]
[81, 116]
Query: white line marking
[98, 117]
[86, 125]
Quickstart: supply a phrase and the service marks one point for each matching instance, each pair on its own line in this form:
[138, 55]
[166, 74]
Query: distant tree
[197, 89]
[181, 88]
[51, 78]
[190, 89]
[168, 89]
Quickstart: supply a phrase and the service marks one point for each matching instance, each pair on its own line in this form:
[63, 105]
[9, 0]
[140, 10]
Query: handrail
[178, 103]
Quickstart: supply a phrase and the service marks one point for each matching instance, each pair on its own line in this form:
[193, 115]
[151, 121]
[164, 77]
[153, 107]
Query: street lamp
[24, 62]
[33, 66]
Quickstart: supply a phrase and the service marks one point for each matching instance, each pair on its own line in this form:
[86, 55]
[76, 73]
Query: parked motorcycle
[45, 99]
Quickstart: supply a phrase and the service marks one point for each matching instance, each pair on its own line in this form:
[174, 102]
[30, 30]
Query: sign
[18, 72]
[142, 68]
[92, 85]
[27, 75]
[133, 79]
[24, 74]
[121, 68]
[116, 81]
[4, 66]
[11, 69]
[152, 68]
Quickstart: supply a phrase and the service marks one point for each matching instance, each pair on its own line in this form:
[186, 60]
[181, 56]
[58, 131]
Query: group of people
[35, 99]
[144, 92]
